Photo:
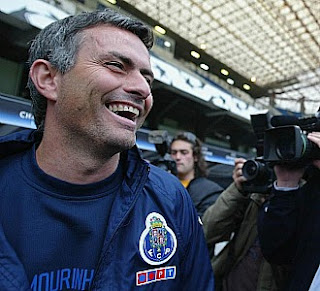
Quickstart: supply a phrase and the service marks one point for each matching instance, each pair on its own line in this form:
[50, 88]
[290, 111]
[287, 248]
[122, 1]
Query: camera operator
[288, 224]
[185, 149]
[240, 266]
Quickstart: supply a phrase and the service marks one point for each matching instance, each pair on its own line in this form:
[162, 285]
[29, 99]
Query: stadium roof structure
[273, 46]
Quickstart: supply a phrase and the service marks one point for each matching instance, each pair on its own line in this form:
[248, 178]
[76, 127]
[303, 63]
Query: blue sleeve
[277, 226]
[197, 271]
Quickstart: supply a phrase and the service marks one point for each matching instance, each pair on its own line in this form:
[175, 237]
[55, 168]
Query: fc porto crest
[158, 243]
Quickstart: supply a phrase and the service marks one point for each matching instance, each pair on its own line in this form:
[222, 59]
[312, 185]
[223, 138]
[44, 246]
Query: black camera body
[161, 141]
[289, 145]
[259, 175]
[280, 140]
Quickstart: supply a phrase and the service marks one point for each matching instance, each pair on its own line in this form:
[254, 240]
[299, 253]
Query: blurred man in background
[186, 151]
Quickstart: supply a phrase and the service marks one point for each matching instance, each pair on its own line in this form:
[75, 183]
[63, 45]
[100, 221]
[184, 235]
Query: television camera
[161, 141]
[280, 140]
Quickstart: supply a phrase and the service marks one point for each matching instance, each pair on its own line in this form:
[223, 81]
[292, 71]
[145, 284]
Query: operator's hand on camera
[315, 138]
[237, 176]
[288, 177]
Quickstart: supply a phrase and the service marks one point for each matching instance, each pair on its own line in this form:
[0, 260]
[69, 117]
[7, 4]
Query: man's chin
[128, 143]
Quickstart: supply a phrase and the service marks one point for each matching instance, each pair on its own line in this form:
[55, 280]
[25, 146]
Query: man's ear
[45, 78]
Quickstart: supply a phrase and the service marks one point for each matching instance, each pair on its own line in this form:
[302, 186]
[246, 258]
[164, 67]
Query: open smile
[124, 110]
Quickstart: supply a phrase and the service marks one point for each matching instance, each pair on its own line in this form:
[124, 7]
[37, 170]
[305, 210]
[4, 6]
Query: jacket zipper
[98, 269]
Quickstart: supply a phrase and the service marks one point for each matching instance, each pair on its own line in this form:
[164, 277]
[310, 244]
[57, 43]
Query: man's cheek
[148, 103]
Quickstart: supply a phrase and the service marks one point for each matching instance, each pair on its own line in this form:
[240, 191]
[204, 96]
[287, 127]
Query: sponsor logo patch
[154, 275]
[158, 243]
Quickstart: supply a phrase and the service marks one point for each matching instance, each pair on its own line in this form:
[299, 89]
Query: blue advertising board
[16, 111]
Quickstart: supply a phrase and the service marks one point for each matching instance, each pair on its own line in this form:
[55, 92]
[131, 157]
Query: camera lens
[250, 169]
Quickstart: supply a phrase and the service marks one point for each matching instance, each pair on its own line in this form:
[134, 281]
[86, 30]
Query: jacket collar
[24, 139]
[17, 142]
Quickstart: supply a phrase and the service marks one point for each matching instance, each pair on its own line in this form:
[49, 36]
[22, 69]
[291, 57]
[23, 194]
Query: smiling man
[84, 211]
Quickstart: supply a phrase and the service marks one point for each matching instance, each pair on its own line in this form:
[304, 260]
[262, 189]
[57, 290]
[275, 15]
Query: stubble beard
[113, 143]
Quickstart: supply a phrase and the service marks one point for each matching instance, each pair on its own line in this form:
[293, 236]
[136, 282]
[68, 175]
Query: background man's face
[182, 153]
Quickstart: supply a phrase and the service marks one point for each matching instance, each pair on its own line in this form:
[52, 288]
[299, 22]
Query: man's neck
[186, 176]
[73, 165]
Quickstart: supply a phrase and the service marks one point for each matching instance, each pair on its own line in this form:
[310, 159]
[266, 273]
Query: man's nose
[138, 85]
[176, 156]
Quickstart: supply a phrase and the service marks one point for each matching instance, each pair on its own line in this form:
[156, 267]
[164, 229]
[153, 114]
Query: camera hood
[284, 144]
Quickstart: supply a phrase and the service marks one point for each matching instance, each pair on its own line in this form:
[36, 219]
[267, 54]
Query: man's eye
[115, 65]
[149, 81]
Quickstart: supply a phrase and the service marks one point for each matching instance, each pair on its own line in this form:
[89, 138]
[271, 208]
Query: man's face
[106, 96]
[182, 153]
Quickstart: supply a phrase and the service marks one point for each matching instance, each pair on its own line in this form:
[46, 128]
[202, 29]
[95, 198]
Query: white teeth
[120, 107]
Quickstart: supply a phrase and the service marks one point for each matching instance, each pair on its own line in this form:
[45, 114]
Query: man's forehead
[106, 40]
[181, 150]
[115, 35]
[181, 145]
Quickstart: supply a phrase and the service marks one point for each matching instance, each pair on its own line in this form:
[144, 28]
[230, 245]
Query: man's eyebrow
[129, 62]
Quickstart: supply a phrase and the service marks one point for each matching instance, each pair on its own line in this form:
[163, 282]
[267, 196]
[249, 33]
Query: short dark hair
[59, 43]
[200, 166]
